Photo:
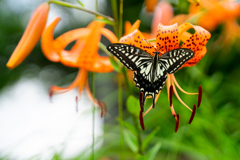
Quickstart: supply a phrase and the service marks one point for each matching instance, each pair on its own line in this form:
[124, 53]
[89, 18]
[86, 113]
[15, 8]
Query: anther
[103, 108]
[76, 103]
[141, 120]
[50, 94]
[193, 114]
[177, 123]
[199, 96]
[171, 95]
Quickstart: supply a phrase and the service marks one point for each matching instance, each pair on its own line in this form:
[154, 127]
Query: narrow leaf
[81, 4]
[148, 139]
[104, 20]
[131, 140]
[140, 157]
[153, 151]
[128, 126]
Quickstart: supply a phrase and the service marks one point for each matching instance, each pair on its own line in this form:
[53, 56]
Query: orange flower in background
[30, 37]
[83, 55]
[150, 4]
[212, 13]
[168, 38]
[163, 13]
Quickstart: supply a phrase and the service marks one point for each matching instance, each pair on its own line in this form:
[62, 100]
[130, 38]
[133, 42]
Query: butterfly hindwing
[131, 57]
[174, 59]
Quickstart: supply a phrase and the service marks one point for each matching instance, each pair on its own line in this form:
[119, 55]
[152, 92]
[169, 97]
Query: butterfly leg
[153, 100]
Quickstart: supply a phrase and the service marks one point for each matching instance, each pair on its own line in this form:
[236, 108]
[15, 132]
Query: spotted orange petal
[47, 41]
[196, 42]
[137, 39]
[167, 38]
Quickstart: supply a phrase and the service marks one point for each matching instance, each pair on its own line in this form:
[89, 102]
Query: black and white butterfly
[150, 71]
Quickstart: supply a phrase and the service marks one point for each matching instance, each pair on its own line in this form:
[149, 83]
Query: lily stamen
[169, 88]
[178, 97]
[193, 114]
[177, 122]
[199, 96]
[180, 88]
[141, 120]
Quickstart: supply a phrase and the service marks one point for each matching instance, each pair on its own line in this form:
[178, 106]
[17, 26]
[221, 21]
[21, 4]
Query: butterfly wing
[174, 59]
[131, 57]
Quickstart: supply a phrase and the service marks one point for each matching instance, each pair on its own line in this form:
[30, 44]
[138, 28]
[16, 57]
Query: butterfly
[150, 72]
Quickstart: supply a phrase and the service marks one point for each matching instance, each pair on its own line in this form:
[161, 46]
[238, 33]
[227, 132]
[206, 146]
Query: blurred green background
[215, 130]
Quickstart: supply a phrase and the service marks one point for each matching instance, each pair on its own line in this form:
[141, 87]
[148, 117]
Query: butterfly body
[150, 72]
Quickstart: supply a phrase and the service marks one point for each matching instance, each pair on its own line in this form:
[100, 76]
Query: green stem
[115, 16]
[93, 113]
[120, 114]
[139, 137]
[65, 4]
[120, 18]
[129, 89]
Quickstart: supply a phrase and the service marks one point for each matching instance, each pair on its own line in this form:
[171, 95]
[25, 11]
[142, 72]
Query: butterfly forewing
[174, 59]
[131, 57]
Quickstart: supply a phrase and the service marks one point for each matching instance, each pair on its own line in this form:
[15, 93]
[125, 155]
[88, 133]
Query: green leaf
[148, 139]
[131, 141]
[128, 126]
[133, 106]
[104, 20]
[115, 65]
[140, 157]
[81, 4]
[153, 151]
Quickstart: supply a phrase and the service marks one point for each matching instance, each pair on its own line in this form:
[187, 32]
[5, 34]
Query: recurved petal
[136, 39]
[102, 64]
[130, 28]
[134, 26]
[47, 42]
[167, 37]
[109, 35]
[196, 42]
[80, 81]
[31, 36]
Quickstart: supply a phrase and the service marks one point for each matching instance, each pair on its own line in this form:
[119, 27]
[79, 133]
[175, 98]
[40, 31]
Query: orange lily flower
[168, 38]
[211, 13]
[83, 55]
[30, 37]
